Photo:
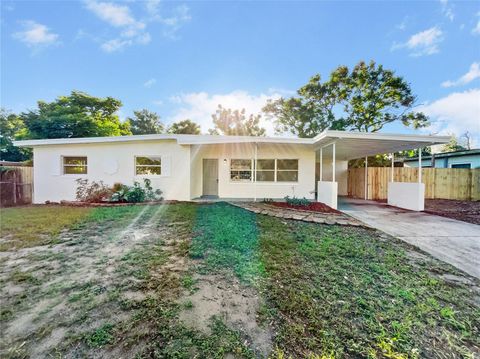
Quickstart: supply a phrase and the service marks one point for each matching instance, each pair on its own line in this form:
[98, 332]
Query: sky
[182, 59]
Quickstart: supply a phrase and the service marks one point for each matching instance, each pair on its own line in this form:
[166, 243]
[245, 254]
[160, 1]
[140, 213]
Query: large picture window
[287, 170]
[148, 165]
[74, 165]
[240, 170]
[267, 170]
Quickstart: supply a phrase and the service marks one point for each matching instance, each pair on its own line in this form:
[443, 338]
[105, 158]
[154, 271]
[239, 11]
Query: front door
[210, 177]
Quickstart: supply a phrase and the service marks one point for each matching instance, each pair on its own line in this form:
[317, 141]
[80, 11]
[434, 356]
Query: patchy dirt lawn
[215, 281]
[467, 211]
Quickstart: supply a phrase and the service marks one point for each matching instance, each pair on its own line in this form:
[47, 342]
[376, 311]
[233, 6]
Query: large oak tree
[365, 98]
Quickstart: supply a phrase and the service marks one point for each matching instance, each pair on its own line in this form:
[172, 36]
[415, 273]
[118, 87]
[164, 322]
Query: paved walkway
[452, 241]
[306, 216]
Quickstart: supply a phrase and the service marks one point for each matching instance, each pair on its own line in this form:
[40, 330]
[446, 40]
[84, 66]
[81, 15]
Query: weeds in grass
[341, 291]
[36, 225]
[100, 337]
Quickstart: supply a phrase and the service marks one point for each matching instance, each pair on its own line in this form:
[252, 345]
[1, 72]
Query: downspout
[255, 173]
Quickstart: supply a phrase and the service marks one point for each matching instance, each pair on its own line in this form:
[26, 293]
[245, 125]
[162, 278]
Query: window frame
[135, 166]
[254, 171]
[64, 165]
[251, 170]
[288, 170]
[274, 170]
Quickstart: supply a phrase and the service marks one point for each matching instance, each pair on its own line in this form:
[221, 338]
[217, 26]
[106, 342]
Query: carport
[335, 148]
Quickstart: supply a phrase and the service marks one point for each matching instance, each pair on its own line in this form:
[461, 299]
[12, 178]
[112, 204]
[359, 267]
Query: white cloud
[149, 83]
[472, 74]
[114, 14]
[36, 35]
[119, 16]
[132, 30]
[115, 45]
[455, 114]
[476, 29]
[447, 10]
[172, 22]
[423, 43]
[199, 106]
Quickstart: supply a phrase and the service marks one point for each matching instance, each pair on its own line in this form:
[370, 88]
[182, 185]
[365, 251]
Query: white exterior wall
[408, 195]
[232, 189]
[111, 162]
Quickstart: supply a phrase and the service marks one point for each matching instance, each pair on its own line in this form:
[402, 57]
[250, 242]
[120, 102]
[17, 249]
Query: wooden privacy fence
[16, 186]
[444, 183]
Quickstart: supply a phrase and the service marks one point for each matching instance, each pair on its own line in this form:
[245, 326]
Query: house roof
[349, 145]
[446, 154]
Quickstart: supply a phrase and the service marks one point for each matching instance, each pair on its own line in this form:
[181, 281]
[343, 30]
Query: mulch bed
[108, 204]
[313, 206]
[467, 211]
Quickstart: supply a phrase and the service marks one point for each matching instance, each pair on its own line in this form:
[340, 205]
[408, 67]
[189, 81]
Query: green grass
[226, 237]
[100, 337]
[330, 291]
[37, 225]
[337, 290]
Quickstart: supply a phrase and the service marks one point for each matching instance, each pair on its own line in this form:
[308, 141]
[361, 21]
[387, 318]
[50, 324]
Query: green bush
[294, 201]
[136, 193]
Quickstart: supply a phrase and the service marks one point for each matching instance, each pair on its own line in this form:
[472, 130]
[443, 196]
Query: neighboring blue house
[457, 159]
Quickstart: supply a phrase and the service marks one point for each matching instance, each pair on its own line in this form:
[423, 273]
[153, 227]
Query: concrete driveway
[452, 241]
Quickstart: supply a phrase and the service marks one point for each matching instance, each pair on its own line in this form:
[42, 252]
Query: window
[148, 165]
[241, 170]
[287, 170]
[462, 165]
[265, 170]
[74, 165]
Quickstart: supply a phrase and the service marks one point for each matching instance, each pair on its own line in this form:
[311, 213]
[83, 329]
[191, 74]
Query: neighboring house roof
[349, 145]
[446, 154]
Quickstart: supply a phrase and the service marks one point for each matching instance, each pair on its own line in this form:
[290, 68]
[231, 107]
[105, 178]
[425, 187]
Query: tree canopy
[77, 115]
[364, 99]
[453, 145]
[235, 123]
[12, 128]
[185, 127]
[145, 122]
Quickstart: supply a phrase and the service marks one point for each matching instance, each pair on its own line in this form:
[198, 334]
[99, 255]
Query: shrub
[294, 201]
[136, 193]
[92, 191]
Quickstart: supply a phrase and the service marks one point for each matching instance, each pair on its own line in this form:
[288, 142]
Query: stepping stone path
[299, 215]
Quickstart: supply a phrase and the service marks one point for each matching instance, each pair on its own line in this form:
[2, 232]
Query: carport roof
[349, 145]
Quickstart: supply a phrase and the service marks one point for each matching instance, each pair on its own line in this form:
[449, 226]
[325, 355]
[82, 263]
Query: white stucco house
[187, 167]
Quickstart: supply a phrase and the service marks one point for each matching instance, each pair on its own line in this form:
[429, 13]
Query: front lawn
[210, 281]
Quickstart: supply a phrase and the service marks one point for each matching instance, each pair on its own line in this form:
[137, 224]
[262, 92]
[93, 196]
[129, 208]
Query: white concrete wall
[112, 162]
[408, 195]
[328, 193]
[232, 189]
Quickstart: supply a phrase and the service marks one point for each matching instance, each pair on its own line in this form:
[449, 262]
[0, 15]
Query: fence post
[15, 187]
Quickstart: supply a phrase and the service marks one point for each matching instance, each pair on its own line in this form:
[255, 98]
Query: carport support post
[419, 165]
[321, 164]
[333, 162]
[393, 155]
[366, 177]
[255, 174]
